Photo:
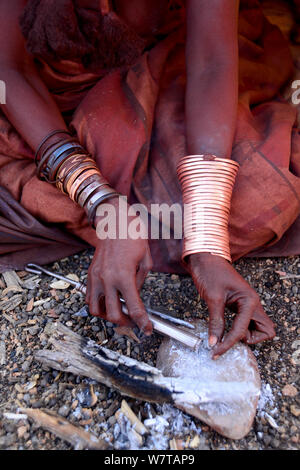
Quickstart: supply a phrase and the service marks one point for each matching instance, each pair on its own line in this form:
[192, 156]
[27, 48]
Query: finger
[262, 321]
[96, 299]
[113, 308]
[144, 268]
[239, 328]
[264, 328]
[135, 306]
[216, 320]
[141, 276]
[253, 337]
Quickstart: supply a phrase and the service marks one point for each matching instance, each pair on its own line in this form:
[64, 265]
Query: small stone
[111, 421]
[275, 443]
[289, 390]
[274, 356]
[267, 440]
[7, 440]
[37, 404]
[195, 442]
[34, 330]
[26, 366]
[21, 431]
[281, 429]
[64, 411]
[74, 404]
[30, 305]
[295, 410]
[86, 396]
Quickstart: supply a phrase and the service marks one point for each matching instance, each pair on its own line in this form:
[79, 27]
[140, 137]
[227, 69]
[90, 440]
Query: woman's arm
[212, 76]
[211, 113]
[32, 111]
[29, 105]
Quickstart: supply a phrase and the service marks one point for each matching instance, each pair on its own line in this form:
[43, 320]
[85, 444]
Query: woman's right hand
[220, 285]
[119, 268]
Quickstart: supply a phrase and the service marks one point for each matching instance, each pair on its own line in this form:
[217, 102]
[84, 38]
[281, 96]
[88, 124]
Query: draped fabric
[131, 119]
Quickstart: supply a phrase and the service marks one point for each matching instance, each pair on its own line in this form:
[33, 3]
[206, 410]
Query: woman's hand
[221, 286]
[119, 268]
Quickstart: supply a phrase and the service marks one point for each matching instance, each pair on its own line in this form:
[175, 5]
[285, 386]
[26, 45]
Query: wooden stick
[59, 426]
[81, 356]
[136, 423]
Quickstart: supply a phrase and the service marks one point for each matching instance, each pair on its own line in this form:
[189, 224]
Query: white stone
[226, 390]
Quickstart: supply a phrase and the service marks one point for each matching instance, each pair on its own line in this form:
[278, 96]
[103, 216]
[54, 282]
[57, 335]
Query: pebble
[64, 411]
[275, 443]
[111, 421]
[267, 440]
[21, 431]
[26, 366]
[26, 397]
[295, 410]
[289, 390]
[33, 330]
[7, 440]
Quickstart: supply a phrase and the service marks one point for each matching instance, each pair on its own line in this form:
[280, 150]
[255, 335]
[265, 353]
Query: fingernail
[146, 331]
[215, 357]
[213, 340]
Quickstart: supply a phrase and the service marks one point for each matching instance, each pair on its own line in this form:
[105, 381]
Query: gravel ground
[83, 402]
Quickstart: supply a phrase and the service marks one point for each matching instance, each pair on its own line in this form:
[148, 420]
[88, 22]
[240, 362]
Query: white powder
[266, 400]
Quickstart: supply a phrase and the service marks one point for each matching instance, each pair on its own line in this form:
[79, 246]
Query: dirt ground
[24, 383]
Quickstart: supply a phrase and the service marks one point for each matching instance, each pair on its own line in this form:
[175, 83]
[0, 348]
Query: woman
[165, 85]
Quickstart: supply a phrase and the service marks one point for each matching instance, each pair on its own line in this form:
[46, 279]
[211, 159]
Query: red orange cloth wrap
[140, 111]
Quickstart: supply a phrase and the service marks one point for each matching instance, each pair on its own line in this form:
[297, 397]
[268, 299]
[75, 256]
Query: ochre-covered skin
[120, 266]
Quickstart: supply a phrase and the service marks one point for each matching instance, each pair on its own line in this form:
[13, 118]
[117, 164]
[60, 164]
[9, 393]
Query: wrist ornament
[207, 183]
[66, 163]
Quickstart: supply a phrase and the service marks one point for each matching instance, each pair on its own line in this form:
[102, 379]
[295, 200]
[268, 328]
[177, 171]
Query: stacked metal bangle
[207, 183]
[80, 178]
[75, 173]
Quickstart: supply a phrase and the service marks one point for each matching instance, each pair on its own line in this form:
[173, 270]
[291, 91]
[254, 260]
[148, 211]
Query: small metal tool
[162, 323]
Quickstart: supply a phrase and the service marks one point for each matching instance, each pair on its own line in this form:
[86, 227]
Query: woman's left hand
[220, 285]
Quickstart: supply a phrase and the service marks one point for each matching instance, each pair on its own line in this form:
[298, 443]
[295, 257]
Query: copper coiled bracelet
[207, 183]
[66, 164]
